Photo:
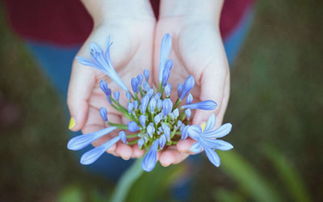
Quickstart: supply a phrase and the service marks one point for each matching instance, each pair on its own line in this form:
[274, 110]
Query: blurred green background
[276, 108]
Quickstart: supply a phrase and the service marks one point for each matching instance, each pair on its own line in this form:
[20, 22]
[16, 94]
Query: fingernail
[72, 123]
[203, 125]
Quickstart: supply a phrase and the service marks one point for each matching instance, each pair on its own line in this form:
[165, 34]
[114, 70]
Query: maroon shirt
[66, 22]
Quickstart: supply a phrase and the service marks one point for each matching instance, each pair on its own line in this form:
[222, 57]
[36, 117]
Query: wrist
[103, 11]
[202, 10]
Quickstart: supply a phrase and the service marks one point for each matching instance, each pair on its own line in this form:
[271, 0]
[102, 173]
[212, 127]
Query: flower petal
[104, 114]
[187, 86]
[92, 155]
[196, 148]
[146, 74]
[216, 144]
[210, 123]
[220, 132]
[133, 126]
[194, 132]
[213, 157]
[184, 132]
[81, 141]
[204, 105]
[150, 158]
[165, 48]
[222, 145]
[85, 61]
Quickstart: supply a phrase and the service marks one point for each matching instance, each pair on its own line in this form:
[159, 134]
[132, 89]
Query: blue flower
[158, 118]
[166, 72]
[104, 114]
[135, 104]
[166, 131]
[206, 139]
[176, 113]
[92, 155]
[159, 104]
[102, 62]
[165, 49]
[155, 120]
[105, 88]
[146, 74]
[128, 95]
[150, 129]
[152, 105]
[135, 84]
[187, 86]
[81, 141]
[133, 127]
[130, 107]
[179, 89]
[167, 106]
[123, 137]
[150, 159]
[204, 105]
[116, 95]
[140, 142]
[142, 120]
[168, 90]
[162, 141]
[188, 113]
[184, 132]
[189, 99]
[144, 104]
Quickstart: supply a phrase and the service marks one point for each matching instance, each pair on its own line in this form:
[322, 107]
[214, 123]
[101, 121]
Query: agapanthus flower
[155, 120]
[206, 139]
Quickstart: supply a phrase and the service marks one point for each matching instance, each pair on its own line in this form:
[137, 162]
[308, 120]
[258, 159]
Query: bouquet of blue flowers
[155, 120]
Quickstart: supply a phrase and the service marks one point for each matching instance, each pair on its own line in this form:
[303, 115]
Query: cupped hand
[197, 50]
[131, 53]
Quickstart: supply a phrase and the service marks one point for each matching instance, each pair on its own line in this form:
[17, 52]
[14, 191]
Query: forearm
[209, 10]
[105, 10]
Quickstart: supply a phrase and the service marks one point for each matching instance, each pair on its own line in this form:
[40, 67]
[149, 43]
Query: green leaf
[154, 186]
[71, 193]
[288, 175]
[247, 177]
[228, 196]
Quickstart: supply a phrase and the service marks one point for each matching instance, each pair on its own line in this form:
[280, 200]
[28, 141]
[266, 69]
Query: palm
[132, 45]
[196, 50]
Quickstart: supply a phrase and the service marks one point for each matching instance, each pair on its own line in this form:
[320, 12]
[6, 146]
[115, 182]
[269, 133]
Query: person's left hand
[197, 50]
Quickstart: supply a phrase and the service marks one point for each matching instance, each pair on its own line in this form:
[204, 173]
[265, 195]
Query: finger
[137, 153]
[212, 88]
[171, 156]
[95, 123]
[79, 90]
[184, 146]
[124, 151]
[224, 103]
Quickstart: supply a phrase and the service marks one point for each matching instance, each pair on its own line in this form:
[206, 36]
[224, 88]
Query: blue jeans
[56, 63]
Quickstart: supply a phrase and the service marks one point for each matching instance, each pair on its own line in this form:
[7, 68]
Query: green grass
[276, 98]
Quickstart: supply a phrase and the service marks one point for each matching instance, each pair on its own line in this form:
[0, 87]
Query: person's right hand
[130, 27]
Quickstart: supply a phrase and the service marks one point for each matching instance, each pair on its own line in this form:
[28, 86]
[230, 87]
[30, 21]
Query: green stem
[120, 126]
[132, 142]
[178, 101]
[132, 136]
[126, 181]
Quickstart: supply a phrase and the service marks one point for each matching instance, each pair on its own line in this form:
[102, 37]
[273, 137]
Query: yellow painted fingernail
[71, 123]
[203, 125]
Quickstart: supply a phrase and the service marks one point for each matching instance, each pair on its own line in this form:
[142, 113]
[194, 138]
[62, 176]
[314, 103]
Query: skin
[197, 50]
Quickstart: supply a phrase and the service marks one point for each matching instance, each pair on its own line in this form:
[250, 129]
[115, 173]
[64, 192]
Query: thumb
[80, 88]
[212, 88]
